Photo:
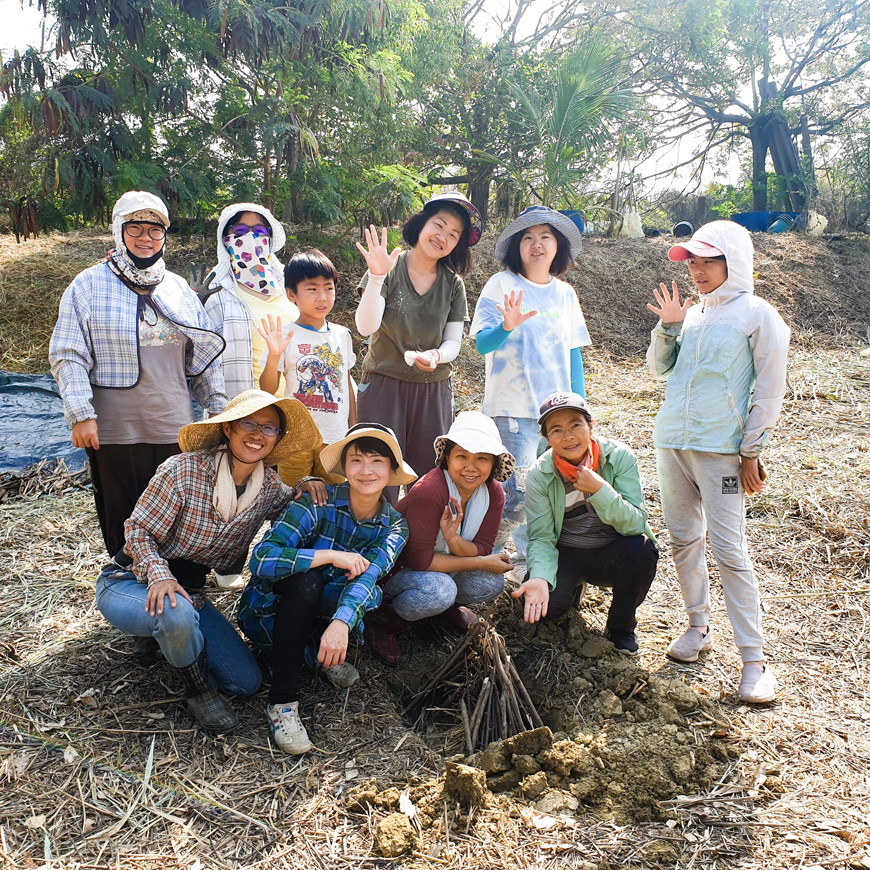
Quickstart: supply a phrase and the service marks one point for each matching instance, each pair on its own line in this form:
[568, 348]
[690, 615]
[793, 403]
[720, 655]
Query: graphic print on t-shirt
[319, 377]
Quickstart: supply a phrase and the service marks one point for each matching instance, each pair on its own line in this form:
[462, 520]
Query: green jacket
[618, 503]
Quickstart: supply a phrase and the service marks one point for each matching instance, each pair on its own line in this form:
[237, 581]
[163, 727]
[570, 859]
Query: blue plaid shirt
[289, 549]
[96, 340]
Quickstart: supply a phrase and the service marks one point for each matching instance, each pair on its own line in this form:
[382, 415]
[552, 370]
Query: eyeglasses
[240, 230]
[155, 232]
[559, 433]
[250, 426]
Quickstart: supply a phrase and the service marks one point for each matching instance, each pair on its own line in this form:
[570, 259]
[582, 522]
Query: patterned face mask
[249, 260]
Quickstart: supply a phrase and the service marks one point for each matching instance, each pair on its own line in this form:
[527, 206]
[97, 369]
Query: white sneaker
[689, 644]
[757, 685]
[229, 581]
[288, 732]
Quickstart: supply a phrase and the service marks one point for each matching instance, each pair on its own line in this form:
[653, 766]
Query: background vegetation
[333, 111]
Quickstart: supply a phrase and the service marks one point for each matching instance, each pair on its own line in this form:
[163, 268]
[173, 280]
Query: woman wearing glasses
[202, 509]
[129, 336]
[247, 286]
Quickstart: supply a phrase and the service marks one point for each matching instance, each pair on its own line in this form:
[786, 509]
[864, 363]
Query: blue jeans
[181, 632]
[419, 594]
[522, 436]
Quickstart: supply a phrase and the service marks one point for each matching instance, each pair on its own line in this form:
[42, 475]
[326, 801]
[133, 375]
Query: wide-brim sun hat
[693, 248]
[475, 432]
[300, 431]
[143, 206]
[533, 216]
[330, 458]
[476, 229]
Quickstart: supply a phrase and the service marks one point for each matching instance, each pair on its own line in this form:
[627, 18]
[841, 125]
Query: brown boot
[382, 629]
[459, 618]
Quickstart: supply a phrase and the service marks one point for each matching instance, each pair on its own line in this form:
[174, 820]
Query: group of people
[290, 439]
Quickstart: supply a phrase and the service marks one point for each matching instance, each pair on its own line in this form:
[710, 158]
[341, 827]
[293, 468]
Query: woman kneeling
[203, 508]
[453, 516]
[315, 574]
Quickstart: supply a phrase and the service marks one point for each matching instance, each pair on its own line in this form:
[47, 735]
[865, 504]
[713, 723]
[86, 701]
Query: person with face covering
[247, 287]
[129, 336]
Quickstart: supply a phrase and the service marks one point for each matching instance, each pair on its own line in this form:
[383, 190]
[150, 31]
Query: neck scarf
[121, 263]
[475, 511]
[249, 262]
[224, 498]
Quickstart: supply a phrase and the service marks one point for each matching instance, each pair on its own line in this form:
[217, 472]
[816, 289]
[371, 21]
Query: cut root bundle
[480, 683]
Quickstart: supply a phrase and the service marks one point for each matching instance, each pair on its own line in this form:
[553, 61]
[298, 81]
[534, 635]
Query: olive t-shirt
[414, 322]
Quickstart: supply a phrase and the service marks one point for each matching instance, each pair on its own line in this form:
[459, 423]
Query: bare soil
[642, 763]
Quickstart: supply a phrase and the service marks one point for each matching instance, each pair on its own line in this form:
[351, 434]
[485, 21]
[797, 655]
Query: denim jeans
[522, 437]
[180, 631]
[419, 594]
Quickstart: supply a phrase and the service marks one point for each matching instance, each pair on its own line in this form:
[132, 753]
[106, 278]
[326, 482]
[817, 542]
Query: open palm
[274, 336]
[378, 258]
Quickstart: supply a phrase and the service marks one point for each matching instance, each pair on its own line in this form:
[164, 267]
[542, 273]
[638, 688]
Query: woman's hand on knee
[158, 591]
[537, 595]
[333, 644]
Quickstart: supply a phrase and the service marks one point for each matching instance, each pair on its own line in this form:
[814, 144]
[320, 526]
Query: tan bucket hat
[330, 458]
[300, 431]
[475, 432]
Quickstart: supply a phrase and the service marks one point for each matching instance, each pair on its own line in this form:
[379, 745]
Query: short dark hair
[584, 414]
[308, 264]
[368, 445]
[459, 259]
[448, 449]
[561, 262]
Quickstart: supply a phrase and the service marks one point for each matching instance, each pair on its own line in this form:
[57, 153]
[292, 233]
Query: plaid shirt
[96, 340]
[232, 319]
[289, 549]
[175, 518]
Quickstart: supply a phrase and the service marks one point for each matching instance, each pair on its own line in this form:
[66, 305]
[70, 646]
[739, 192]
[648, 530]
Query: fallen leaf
[35, 822]
[70, 755]
[406, 805]
[88, 825]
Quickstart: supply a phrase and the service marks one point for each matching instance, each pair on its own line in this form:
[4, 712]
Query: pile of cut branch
[48, 476]
[479, 676]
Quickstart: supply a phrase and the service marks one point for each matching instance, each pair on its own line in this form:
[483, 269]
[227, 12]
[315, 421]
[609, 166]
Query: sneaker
[229, 581]
[690, 644]
[342, 676]
[625, 642]
[288, 732]
[757, 685]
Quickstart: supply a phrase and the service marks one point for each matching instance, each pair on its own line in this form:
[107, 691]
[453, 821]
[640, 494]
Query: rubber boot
[213, 712]
[459, 618]
[383, 627]
[146, 651]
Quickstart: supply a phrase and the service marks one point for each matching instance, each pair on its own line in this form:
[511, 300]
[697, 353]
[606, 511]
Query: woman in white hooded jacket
[725, 364]
[248, 286]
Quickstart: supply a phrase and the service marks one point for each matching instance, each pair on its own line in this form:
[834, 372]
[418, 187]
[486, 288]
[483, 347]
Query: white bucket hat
[475, 432]
[143, 206]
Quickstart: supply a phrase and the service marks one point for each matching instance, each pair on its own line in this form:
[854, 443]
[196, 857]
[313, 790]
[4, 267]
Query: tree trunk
[479, 178]
[758, 138]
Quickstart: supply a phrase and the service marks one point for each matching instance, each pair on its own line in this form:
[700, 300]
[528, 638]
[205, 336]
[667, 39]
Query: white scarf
[475, 511]
[224, 498]
[251, 267]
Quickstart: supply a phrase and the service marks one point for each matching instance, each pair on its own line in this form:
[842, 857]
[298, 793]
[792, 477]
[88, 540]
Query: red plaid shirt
[175, 518]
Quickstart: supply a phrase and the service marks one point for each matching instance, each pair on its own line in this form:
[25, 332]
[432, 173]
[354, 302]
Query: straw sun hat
[534, 216]
[475, 432]
[330, 458]
[300, 431]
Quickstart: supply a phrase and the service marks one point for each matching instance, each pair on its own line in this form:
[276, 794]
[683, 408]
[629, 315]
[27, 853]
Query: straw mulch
[100, 765]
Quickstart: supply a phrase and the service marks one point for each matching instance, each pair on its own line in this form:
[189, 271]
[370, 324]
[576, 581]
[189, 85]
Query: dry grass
[100, 766]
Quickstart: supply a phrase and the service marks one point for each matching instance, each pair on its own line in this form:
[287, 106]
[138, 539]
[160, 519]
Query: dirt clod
[466, 784]
[394, 835]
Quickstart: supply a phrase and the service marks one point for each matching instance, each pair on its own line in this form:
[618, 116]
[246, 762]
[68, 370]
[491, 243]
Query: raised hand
[274, 336]
[512, 313]
[670, 310]
[378, 259]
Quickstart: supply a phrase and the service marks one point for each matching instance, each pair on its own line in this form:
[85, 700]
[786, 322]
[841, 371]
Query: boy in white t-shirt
[315, 355]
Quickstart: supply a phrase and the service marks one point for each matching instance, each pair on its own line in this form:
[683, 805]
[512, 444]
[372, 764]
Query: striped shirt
[290, 546]
[176, 519]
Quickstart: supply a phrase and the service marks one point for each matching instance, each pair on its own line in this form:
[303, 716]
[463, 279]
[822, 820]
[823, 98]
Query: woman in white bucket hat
[453, 516]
